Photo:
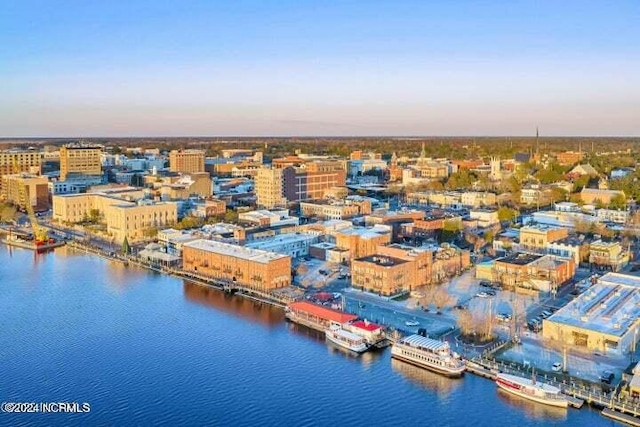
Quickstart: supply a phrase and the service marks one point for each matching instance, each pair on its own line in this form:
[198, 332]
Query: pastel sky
[268, 68]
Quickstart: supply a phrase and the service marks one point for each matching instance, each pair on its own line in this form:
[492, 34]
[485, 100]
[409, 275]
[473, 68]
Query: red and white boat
[529, 388]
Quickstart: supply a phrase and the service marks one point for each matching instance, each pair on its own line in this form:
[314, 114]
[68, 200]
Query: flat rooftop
[383, 260]
[282, 239]
[610, 306]
[539, 227]
[255, 255]
[363, 232]
[520, 259]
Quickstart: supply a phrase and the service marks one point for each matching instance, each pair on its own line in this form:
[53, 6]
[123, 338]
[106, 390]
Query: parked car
[482, 295]
[557, 367]
[546, 313]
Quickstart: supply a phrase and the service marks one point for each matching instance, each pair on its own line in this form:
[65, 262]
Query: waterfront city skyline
[306, 68]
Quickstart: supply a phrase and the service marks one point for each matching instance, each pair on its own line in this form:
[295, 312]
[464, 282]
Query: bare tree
[466, 323]
[441, 298]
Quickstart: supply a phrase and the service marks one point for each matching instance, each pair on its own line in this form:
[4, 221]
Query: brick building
[253, 268]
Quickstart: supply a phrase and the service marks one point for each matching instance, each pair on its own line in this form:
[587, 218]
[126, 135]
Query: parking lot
[396, 314]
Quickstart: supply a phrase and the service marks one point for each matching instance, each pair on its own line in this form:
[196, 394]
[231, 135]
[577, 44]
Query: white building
[612, 215]
[270, 218]
[485, 217]
[293, 244]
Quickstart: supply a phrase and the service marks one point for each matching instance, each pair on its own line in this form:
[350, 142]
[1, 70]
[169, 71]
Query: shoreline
[486, 372]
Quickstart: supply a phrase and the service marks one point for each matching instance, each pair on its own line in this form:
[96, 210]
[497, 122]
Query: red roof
[368, 326]
[324, 296]
[322, 312]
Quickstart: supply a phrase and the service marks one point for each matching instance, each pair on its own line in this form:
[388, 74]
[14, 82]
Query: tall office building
[19, 161]
[24, 161]
[269, 188]
[275, 187]
[186, 161]
[80, 161]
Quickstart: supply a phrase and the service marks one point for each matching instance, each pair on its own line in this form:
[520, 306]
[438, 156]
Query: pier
[272, 298]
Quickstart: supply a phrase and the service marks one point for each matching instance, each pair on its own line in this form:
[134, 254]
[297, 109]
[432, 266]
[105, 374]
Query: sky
[319, 68]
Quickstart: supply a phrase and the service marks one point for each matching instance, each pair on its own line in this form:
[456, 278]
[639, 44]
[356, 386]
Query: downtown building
[122, 218]
[80, 161]
[186, 161]
[275, 187]
[36, 187]
[253, 268]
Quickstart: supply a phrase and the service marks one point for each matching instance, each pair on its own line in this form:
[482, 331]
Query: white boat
[412, 323]
[529, 388]
[346, 339]
[430, 354]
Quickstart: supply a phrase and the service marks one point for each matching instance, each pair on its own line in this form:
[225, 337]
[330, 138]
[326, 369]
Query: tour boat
[346, 339]
[412, 323]
[430, 354]
[532, 390]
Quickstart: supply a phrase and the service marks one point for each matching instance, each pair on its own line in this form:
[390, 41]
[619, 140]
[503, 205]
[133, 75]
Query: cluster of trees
[8, 212]
[437, 296]
[188, 222]
[475, 327]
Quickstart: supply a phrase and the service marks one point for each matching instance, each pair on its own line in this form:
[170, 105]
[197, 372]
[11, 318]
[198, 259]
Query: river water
[146, 349]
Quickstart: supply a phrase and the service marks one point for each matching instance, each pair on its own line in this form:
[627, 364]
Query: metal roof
[426, 343]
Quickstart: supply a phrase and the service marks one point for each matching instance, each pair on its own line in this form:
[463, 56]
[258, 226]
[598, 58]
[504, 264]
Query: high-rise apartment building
[24, 161]
[269, 188]
[80, 160]
[277, 186]
[36, 190]
[186, 161]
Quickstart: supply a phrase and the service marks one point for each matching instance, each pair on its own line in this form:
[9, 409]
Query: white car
[482, 295]
[557, 367]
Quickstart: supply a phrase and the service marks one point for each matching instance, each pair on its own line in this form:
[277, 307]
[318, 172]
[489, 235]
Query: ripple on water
[146, 349]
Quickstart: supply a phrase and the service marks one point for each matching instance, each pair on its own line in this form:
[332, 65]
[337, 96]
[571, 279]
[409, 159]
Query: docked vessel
[532, 390]
[316, 316]
[346, 339]
[430, 354]
[16, 241]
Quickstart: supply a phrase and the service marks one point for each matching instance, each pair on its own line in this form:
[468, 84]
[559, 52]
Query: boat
[529, 388]
[346, 339]
[20, 242]
[412, 323]
[428, 353]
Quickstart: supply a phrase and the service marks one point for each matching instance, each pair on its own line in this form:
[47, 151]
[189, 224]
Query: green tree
[230, 216]
[507, 214]
[94, 215]
[618, 202]
[126, 249]
[558, 194]
[8, 212]
[150, 232]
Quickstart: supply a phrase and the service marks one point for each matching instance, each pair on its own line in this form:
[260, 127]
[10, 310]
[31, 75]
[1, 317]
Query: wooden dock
[621, 417]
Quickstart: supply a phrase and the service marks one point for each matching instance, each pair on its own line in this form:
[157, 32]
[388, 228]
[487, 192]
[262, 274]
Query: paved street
[395, 314]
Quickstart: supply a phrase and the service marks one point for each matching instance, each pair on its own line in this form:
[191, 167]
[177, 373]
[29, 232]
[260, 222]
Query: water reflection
[366, 358]
[309, 333]
[238, 306]
[533, 410]
[441, 385]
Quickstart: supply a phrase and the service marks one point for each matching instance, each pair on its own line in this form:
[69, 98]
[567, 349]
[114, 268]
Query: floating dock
[621, 417]
[25, 244]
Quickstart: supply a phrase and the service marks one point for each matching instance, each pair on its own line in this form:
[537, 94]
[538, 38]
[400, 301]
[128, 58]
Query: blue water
[146, 349]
